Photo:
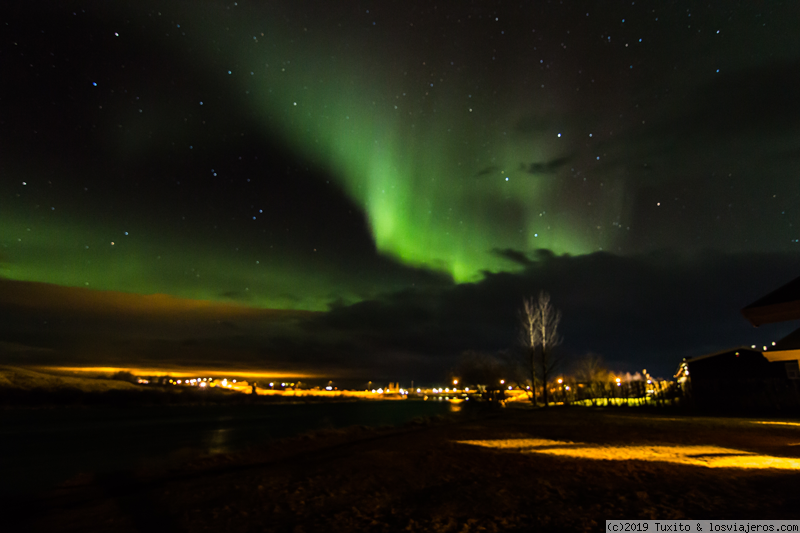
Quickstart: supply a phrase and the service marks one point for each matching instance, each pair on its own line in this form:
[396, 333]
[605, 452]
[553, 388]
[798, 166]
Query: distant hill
[36, 380]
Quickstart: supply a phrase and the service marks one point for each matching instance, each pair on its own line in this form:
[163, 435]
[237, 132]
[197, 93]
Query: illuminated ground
[508, 470]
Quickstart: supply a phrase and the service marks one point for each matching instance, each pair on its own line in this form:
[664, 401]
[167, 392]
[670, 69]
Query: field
[498, 470]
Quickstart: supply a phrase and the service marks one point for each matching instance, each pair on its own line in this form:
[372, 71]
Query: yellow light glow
[180, 373]
[708, 456]
[778, 423]
[560, 380]
[455, 382]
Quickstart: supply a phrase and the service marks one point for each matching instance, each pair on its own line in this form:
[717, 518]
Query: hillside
[29, 380]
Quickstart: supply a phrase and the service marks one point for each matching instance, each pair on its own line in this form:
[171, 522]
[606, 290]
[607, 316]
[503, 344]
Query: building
[737, 379]
[781, 305]
[759, 377]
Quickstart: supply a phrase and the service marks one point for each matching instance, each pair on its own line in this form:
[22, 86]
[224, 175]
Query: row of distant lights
[381, 391]
[200, 382]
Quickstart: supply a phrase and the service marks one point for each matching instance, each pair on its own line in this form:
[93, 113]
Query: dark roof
[737, 364]
[690, 360]
[778, 306]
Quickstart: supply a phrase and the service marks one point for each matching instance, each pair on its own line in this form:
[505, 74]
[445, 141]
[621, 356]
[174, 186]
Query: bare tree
[593, 373]
[540, 320]
[529, 335]
[591, 368]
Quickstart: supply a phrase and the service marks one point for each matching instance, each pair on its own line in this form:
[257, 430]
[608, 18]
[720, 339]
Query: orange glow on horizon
[180, 373]
[52, 297]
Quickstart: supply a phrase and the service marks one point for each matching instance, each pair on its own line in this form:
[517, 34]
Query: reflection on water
[708, 456]
[455, 405]
[219, 441]
[40, 448]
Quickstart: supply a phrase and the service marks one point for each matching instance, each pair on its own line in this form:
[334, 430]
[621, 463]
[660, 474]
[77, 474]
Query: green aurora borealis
[439, 171]
[456, 133]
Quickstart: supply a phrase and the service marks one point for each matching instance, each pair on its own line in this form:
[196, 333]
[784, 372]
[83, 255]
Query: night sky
[371, 188]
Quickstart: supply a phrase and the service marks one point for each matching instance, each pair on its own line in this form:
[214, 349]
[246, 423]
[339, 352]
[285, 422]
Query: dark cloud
[647, 311]
[488, 170]
[515, 256]
[547, 167]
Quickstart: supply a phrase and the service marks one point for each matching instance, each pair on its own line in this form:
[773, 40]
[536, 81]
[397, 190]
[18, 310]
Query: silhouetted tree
[592, 372]
[479, 368]
[124, 375]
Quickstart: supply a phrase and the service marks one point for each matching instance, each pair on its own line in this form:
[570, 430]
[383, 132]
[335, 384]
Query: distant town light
[380, 391]
[509, 387]
[455, 381]
[419, 390]
[618, 380]
[502, 381]
[560, 380]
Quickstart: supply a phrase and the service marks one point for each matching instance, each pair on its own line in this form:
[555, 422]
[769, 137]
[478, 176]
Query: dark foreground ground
[423, 478]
